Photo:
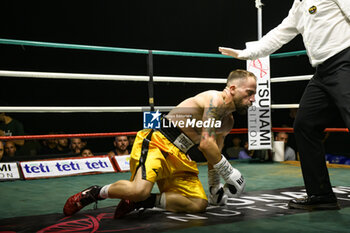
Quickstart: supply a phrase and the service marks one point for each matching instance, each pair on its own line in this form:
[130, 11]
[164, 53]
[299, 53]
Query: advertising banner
[9, 171]
[122, 162]
[66, 167]
[259, 114]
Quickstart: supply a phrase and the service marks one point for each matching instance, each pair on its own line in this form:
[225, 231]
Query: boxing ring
[261, 209]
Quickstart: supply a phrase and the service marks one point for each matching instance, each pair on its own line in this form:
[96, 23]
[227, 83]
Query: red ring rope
[95, 135]
[78, 135]
[288, 130]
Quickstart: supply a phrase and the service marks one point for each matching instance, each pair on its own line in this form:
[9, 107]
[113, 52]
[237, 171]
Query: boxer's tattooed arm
[212, 114]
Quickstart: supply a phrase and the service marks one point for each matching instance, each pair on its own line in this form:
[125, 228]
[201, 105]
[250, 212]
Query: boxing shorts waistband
[176, 136]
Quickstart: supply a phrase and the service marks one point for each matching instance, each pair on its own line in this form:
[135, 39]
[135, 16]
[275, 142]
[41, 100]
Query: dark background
[189, 26]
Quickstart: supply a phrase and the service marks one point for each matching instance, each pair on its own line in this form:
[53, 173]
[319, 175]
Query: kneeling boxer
[165, 155]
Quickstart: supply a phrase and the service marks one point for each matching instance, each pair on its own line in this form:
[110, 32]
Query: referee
[325, 28]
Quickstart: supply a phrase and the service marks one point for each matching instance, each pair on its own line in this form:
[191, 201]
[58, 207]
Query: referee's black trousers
[329, 89]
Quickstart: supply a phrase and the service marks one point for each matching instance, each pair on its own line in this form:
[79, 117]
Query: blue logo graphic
[151, 120]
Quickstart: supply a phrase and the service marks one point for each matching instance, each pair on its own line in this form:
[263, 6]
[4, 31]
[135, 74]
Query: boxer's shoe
[81, 199]
[124, 207]
[313, 202]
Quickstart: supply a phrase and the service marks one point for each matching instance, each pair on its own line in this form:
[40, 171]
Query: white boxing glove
[235, 182]
[217, 195]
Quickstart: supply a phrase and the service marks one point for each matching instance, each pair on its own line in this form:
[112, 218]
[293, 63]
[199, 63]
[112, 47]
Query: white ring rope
[53, 75]
[106, 109]
[284, 106]
[291, 78]
[81, 109]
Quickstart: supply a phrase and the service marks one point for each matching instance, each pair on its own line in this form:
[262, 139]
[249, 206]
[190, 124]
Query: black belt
[334, 63]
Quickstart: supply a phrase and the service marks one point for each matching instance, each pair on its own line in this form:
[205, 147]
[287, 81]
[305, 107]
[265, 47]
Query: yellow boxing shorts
[162, 162]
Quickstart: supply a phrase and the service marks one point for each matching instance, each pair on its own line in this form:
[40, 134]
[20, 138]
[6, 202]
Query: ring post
[258, 5]
[150, 82]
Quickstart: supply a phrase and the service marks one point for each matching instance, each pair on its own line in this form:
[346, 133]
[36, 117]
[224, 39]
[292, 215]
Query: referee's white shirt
[324, 25]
